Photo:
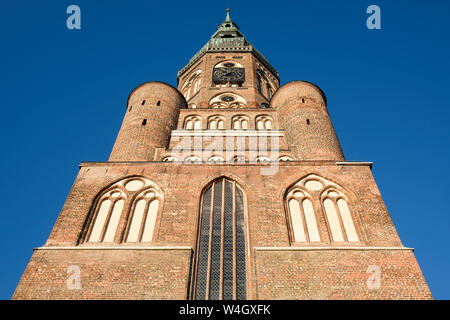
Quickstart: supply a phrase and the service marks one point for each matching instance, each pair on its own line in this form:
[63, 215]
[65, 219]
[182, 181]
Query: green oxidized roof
[228, 38]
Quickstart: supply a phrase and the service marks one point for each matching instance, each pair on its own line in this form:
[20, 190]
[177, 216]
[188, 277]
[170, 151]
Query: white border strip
[327, 248]
[112, 248]
[354, 163]
[227, 133]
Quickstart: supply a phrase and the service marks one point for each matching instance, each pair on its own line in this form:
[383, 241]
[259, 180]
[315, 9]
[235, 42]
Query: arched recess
[220, 270]
[302, 217]
[142, 220]
[227, 100]
[216, 122]
[192, 86]
[311, 194]
[192, 123]
[263, 122]
[340, 222]
[240, 122]
[111, 208]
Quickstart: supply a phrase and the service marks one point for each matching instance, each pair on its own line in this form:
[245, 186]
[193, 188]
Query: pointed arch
[340, 222]
[144, 211]
[216, 122]
[331, 198]
[221, 264]
[193, 122]
[110, 208]
[302, 221]
[107, 215]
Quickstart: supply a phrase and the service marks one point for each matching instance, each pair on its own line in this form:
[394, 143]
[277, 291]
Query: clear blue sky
[63, 96]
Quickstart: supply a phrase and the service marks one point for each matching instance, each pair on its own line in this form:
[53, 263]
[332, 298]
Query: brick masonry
[321, 274]
[276, 266]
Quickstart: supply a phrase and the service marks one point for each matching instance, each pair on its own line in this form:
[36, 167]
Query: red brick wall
[107, 274]
[182, 185]
[338, 274]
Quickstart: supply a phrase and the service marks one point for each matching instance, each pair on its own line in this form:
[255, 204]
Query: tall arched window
[220, 271]
[302, 217]
[263, 84]
[143, 218]
[338, 216]
[192, 86]
[107, 216]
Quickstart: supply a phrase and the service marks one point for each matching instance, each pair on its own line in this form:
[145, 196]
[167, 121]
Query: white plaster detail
[347, 221]
[134, 185]
[296, 221]
[100, 221]
[147, 234]
[136, 221]
[313, 185]
[311, 223]
[227, 133]
[333, 220]
[114, 221]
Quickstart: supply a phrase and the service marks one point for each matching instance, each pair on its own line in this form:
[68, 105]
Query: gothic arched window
[314, 192]
[338, 216]
[107, 216]
[263, 123]
[192, 86]
[143, 217]
[220, 271]
[302, 217]
[193, 123]
[109, 219]
[239, 122]
[216, 123]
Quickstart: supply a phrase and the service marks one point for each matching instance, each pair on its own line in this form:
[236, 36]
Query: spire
[227, 19]
[227, 38]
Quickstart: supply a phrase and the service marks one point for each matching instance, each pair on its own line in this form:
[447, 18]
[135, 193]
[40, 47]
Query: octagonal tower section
[152, 113]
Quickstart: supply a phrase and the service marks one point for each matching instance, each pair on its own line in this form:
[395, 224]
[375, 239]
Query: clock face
[224, 75]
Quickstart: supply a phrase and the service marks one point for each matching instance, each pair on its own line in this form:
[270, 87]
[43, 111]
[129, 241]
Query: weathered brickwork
[338, 274]
[132, 225]
[107, 274]
[151, 114]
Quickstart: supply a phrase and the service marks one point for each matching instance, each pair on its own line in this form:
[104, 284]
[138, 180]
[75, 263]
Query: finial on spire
[228, 15]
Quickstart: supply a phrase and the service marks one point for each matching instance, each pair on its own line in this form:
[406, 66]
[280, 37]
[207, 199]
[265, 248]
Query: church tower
[229, 186]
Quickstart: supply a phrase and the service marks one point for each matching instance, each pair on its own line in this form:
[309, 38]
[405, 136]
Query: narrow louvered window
[221, 254]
